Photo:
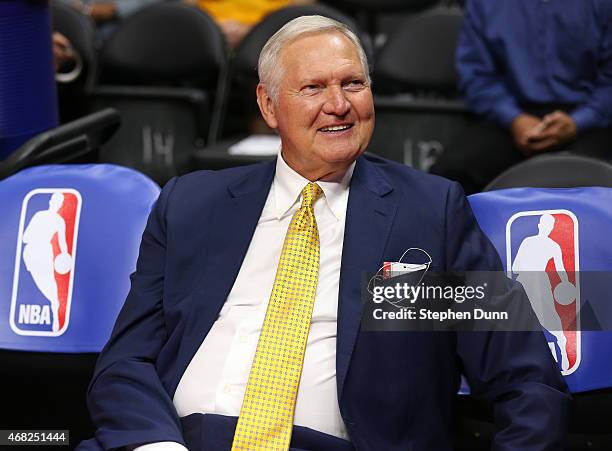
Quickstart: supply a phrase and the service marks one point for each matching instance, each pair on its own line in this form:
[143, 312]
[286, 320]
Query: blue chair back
[69, 240]
[580, 221]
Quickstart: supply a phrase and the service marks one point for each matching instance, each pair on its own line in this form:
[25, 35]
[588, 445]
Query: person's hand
[62, 50]
[103, 12]
[234, 31]
[556, 129]
[522, 129]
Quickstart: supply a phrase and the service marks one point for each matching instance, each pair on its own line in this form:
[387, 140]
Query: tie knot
[310, 194]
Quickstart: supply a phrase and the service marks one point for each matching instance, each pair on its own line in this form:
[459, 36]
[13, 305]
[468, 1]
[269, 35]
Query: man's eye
[355, 85]
[309, 89]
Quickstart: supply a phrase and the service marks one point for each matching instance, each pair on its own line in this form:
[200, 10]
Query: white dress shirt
[215, 379]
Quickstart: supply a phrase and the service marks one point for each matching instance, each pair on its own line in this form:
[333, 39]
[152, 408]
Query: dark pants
[485, 150]
[216, 433]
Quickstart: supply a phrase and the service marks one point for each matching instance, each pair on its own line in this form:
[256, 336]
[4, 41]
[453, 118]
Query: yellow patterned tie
[266, 416]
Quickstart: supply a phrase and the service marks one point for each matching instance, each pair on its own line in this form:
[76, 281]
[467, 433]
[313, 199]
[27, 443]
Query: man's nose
[336, 102]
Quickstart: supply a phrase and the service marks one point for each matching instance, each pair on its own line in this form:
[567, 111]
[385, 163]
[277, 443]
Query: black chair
[240, 104]
[45, 388]
[75, 86]
[162, 69]
[368, 12]
[419, 57]
[419, 115]
[77, 141]
[45, 372]
[555, 171]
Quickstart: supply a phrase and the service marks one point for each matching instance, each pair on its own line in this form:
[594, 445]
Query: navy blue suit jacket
[395, 389]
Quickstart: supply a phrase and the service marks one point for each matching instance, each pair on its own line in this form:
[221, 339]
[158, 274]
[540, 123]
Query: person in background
[108, 13]
[62, 50]
[68, 65]
[237, 17]
[540, 74]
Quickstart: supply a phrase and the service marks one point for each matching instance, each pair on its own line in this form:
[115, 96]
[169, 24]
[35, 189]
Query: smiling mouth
[336, 128]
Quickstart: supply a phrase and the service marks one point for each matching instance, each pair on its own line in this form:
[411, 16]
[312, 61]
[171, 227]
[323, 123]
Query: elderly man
[242, 327]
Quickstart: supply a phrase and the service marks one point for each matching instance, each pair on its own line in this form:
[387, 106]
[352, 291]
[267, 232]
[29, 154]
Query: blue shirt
[517, 52]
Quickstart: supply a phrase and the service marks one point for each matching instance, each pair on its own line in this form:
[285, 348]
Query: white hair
[270, 69]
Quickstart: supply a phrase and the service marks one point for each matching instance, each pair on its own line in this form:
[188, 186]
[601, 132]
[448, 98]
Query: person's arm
[480, 82]
[128, 403]
[28, 230]
[518, 263]
[514, 371]
[597, 111]
[62, 49]
[560, 267]
[61, 235]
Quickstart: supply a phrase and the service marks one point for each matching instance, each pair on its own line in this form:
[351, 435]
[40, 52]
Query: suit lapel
[231, 229]
[369, 217]
[370, 212]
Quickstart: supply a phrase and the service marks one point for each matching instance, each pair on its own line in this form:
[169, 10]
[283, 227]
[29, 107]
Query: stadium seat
[75, 86]
[70, 238]
[368, 11]
[162, 69]
[240, 100]
[557, 186]
[418, 114]
[420, 57]
[76, 141]
[562, 170]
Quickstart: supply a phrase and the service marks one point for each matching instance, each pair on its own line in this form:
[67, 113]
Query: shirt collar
[288, 186]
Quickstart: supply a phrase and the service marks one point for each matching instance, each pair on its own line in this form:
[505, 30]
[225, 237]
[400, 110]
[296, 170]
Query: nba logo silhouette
[44, 262]
[543, 255]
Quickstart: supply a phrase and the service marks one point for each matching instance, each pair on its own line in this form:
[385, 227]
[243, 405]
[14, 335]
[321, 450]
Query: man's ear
[266, 106]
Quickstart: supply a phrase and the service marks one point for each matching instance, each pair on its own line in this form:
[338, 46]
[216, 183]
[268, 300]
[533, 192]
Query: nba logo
[543, 255]
[44, 262]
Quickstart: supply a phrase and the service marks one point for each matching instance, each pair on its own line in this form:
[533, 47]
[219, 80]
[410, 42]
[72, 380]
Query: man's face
[324, 112]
